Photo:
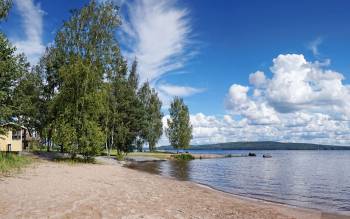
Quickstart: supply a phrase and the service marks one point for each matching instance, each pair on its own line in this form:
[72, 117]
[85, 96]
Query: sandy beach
[59, 190]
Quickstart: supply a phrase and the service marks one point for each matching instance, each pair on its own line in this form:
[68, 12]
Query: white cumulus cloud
[296, 127]
[32, 23]
[303, 101]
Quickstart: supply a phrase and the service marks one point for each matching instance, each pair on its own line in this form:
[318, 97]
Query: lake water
[312, 179]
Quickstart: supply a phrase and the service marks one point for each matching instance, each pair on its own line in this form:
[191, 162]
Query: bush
[183, 157]
[9, 162]
[120, 156]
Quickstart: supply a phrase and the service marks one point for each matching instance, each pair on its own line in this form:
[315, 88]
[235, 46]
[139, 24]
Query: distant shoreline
[261, 145]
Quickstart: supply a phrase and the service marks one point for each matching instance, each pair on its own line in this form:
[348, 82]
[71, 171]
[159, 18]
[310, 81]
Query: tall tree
[85, 53]
[127, 116]
[179, 129]
[80, 106]
[12, 68]
[48, 69]
[28, 101]
[152, 127]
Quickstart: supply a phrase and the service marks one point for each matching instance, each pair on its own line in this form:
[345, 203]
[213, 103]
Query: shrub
[183, 157]
[120, 156]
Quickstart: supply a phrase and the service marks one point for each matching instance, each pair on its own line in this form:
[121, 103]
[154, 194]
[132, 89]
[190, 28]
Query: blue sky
[249, 70]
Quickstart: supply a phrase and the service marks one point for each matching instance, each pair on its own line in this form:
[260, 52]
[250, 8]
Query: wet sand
[58, 190]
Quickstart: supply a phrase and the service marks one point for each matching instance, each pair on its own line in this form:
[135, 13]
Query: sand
[58, 190]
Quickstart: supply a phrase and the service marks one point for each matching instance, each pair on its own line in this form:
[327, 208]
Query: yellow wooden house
[13, 139]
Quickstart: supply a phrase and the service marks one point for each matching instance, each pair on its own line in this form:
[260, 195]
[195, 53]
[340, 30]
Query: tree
[79, 105]
[127, 116]
[12, 68]
[5, 6]
[85, 53]
[28, 101]
[152, 127]
[48, 69]
[21, 91]
[179, 129]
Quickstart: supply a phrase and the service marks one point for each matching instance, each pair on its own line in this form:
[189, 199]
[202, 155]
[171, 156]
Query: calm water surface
[312, 179]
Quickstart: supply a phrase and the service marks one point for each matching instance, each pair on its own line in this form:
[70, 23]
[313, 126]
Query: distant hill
[262, 145]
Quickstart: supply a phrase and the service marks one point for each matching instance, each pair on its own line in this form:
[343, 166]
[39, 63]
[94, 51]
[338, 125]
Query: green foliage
[81, 96]
[80, 106]
[10, 162]
[84, 53]
[5, 6]
[27, 101]
[152, 126]
[120, 156]
[179, 129]
[12, 68]
[183, 157]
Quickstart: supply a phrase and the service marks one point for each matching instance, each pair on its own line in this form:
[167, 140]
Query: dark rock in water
[251, 154]
[267, 156]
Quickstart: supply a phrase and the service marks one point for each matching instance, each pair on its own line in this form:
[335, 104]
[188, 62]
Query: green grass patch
[12, 162]
[183, 156]
[76, 160]
[156, 154]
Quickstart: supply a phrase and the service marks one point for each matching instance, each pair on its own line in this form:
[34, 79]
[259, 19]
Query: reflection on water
[179, 169]
[151, 167]
[313, 179]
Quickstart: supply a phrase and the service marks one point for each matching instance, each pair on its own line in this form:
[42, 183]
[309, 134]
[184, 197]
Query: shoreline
[109, 190]
[330, 214]
[265, 201]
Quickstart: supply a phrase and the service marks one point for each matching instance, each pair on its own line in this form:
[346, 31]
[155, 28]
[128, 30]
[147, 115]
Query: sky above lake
[248, 70]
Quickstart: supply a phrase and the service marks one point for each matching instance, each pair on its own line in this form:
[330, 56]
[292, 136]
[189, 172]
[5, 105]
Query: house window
[9, 147]
[16, 134]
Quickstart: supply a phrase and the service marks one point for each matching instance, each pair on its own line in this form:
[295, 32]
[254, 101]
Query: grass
[11, 162]
[183, 156]
[157, 154]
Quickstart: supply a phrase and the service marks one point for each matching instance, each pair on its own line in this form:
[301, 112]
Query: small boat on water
[267, 156]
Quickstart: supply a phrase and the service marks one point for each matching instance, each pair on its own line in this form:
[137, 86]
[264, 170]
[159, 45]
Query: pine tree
[179, 129]
[152, 126]
[127, 117]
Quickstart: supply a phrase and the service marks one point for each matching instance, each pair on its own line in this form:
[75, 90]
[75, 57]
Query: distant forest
[262, 145]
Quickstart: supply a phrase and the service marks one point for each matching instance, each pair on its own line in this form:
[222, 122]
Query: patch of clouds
[296, 127]
[313, 46]
[258, 79]
[160, 33]
[180, 91]
[303, 101]
[240, 103]
[32, 23]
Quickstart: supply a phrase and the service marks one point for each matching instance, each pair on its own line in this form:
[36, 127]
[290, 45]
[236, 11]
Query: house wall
[16, 145]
